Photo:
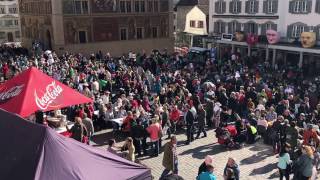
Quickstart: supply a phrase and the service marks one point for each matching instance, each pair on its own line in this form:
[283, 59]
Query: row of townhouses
[9, 21]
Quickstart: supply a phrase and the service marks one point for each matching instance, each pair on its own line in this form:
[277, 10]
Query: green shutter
[289, 31]
[216, 7]
[317, 10]
[239, 6]
[263, 29]
[247, 6]
[230, 28]
[231, 7]
[265, 6]
[274, 27]
[224, 7]
[309, 6]
[291, 6]
[256, 7]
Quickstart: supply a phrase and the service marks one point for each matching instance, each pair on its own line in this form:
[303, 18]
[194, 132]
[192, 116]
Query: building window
[13, 10]
[235, 7]
[233, 27]
[300, 6]
[82, 36]
[219, 27]
[200, 24]
[123, 34]
[128, 6]
[16, 22]
[142, 6]
[270, 6]
[154, 32]
[137, 6]
[220, 7]
[17, 34]
[139, 33]
[81, 7]
[122, 6]
[156, 6]
[192, 24]
[297, 30]
[2, 35]
[150, 6]
[317, 6]
[8, 22]
[252, 7]
[2, 10]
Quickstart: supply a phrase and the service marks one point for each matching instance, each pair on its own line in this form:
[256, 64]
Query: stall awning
[33, 90]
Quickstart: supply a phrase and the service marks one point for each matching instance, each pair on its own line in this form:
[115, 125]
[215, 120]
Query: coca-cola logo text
[10, 93]
[52, 92]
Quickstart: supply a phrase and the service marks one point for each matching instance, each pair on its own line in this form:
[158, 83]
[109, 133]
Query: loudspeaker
[39, 117]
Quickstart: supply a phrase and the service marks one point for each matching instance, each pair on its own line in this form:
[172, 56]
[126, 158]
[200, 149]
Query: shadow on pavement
[255, 158]
[263, 170]
[202, 151]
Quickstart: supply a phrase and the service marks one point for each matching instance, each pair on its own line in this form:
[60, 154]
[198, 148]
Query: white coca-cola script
[10, 93]
[51, 93]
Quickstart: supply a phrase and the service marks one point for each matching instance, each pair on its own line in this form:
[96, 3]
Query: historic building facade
[86, 26]
[9, 21]
[288, 17]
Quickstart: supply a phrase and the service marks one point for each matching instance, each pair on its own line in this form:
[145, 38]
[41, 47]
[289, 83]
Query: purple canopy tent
[31, 151]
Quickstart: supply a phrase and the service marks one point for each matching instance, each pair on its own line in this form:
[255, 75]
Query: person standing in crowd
[284, 162]
[189, 119]
[170, 157]
[201, 121]
[87, 122]
[208, 174]
[78, 130]
[231, 164]
[203, 167]
[302, 167]
[292, 136]
[138, 132]
[155, 132]
[129, 147]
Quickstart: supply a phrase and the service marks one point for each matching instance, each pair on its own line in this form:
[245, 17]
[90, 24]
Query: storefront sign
[52, 92]
[12, 92]
[226, 37]
[308, 39]
[273, 36]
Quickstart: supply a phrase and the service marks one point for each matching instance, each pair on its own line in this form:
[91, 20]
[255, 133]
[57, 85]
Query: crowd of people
[156, 94]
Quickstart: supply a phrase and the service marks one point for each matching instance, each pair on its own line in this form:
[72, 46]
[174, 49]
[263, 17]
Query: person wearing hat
[203, 167]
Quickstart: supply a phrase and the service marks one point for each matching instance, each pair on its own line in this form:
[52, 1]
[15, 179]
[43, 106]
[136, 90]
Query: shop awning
[33, 90]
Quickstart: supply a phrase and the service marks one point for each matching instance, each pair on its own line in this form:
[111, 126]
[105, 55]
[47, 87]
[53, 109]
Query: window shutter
[289, 31]
[265, 7]
[317, 6]
[275, 6]
[224, 7]
[231, 7]
[307, 28]
[230, 28]
[256, 26]
[274, 27]
[223, 27]
[247, 6]
[263, 29]
[216, 7]
[246, 28]
[216, 28]
[256, 7]
[239, 6]
[309, 6]
[291, 6]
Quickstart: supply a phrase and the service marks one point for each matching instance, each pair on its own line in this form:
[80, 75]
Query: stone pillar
[274, 55]
[300, 60]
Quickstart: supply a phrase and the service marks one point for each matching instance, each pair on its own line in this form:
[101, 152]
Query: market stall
[48, 155]
[33, 91]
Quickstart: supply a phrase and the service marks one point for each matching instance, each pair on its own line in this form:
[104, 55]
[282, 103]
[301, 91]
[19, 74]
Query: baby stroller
[226, 136]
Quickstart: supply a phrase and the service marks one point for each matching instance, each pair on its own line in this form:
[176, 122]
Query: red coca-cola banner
[33, 90]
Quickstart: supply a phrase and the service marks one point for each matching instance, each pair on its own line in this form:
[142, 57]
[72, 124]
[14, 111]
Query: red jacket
[175, 115]
[308, 135]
